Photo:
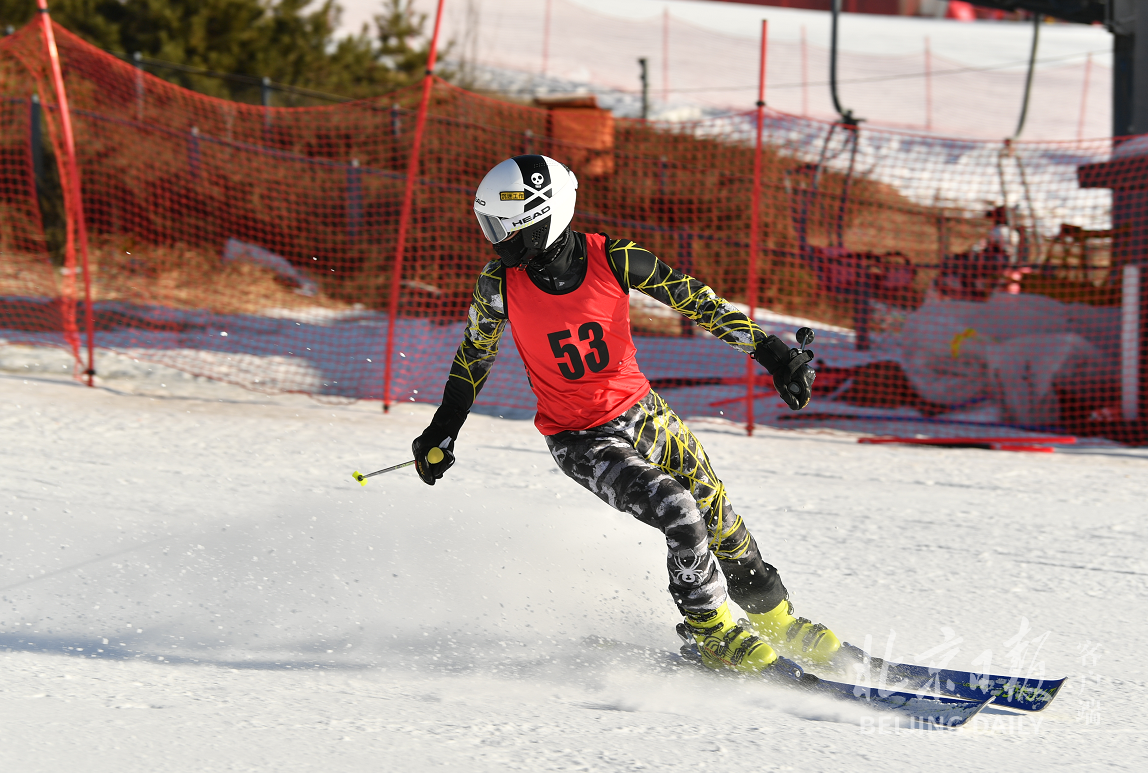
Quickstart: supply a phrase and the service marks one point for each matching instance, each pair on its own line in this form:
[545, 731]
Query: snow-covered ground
[190, 580]
[703, 59]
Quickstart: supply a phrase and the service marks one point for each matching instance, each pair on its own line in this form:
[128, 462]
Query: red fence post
[751, 367]
[405, 212]
[77, 230]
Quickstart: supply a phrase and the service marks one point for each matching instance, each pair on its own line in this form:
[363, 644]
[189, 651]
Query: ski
[919, 708]
[1012, 692]
[935, 710]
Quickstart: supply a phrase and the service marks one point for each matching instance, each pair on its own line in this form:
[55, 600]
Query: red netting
[950, 281]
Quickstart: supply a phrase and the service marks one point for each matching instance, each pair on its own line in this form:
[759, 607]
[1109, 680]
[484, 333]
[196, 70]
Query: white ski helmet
[534, 195]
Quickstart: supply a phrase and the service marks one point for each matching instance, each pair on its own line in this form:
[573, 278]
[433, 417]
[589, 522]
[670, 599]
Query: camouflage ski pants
[647, 463]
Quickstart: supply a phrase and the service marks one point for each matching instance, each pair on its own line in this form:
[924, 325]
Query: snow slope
[703, 59]
[981, 43]
[191, 581]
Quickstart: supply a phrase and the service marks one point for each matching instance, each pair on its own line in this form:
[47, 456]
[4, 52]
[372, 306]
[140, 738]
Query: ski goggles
[495, 229]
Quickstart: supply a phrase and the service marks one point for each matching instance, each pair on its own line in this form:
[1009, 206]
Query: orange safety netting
[951, 281]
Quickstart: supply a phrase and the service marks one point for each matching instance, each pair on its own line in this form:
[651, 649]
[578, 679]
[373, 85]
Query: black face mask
[524, 247]
[555, 259]
[513, 251]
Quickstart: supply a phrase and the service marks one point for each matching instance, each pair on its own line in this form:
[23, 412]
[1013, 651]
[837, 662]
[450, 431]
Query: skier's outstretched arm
[639, 269]
[473, 360]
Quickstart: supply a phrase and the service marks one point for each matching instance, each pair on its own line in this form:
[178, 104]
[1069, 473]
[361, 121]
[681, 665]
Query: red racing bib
[577, 347]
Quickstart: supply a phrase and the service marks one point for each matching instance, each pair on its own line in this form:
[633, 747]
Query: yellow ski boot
[723, 644]
[794, 637]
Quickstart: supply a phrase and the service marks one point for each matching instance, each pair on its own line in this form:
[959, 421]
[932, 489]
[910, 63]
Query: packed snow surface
[190, 580]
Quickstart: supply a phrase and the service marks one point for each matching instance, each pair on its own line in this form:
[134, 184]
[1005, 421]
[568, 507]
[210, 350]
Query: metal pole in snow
[1130, 344]
[137, 60]
[265, 98]
[751, 367]
[642, 62]
[405, 212]
[36, 141]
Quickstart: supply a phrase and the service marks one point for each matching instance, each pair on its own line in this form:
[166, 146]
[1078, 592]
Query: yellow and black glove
[434, 438]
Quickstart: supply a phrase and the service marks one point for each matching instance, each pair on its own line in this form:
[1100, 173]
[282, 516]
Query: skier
[566, 295]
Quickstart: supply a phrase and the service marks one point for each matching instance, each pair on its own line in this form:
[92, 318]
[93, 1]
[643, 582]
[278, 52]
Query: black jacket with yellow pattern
[635, 269]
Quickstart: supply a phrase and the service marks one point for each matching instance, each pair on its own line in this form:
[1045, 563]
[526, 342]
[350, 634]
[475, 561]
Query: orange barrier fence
[952, 282]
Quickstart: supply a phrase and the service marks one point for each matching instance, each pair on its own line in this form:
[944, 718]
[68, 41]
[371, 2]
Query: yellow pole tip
[359, 477]
[434, 456]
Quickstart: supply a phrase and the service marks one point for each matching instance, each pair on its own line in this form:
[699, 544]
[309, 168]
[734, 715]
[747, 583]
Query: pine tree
[277, 39]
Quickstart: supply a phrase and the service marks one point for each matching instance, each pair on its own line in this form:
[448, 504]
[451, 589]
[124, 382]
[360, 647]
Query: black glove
[434, 436]
[791, 374]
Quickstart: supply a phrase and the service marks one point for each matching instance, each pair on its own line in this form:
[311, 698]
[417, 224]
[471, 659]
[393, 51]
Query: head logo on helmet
[530, 216]
[540, 214]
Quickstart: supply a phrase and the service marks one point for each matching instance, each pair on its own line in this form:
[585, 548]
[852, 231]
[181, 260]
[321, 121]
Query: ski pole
[434, 456]
[804, 338]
